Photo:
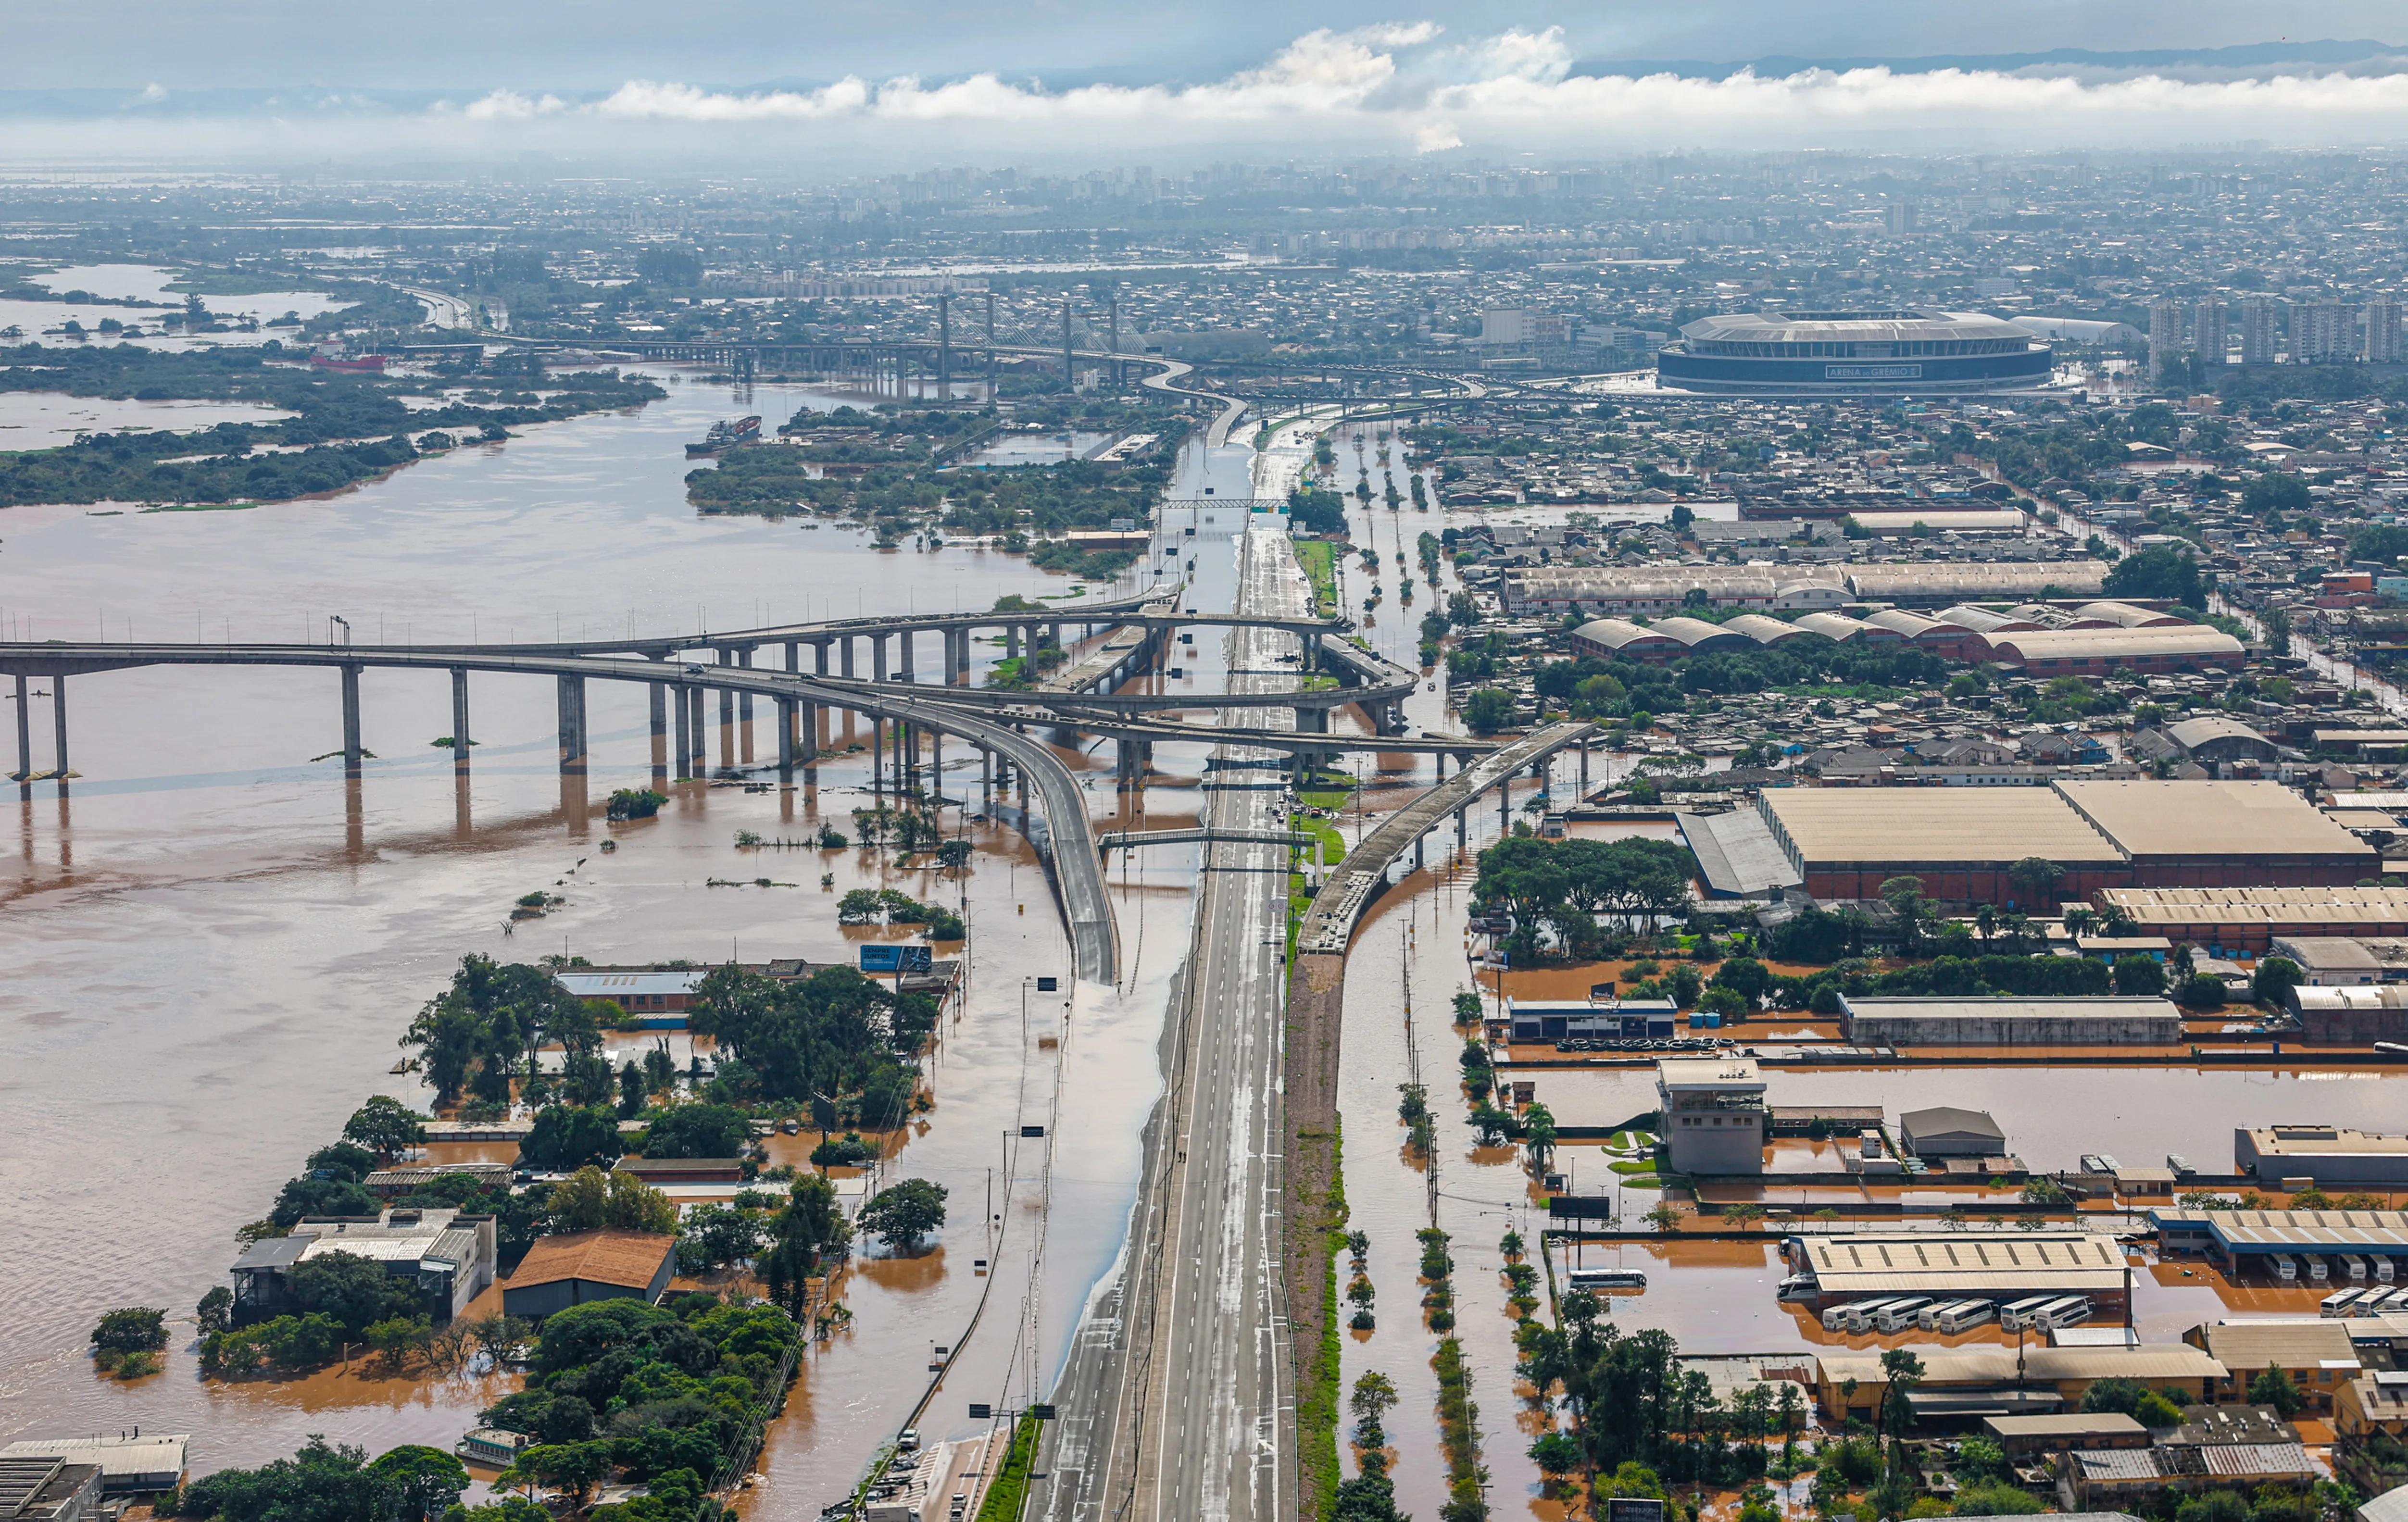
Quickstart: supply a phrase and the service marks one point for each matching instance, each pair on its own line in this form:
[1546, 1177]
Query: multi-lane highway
[1178, 1401]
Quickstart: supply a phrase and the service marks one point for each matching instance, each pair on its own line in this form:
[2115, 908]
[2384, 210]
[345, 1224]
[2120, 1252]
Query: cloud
[1399, 86]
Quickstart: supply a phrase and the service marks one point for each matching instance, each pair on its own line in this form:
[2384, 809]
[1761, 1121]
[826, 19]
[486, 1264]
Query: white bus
[2019, 1314]
[1856, 1316]
[1900, 1315]
[1963, 1316]
[1928, 1318]
[2070, 1312]
[2287, 1268]
[2346, 1303]
[1608, 1278]
[2384, 1272]
[2351, 1266]
[2317, 1273]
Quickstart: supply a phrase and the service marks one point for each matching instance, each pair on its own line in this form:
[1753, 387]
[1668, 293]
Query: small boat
[725, 434]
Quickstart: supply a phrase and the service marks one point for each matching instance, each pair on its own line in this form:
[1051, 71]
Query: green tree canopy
[902, 1214]
[699, 1131]
[567, 1137]
[385, 1126]
[2161, 572]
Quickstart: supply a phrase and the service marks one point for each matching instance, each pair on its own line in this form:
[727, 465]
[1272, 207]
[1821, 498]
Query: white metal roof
[621, 985]
[1968, 1263]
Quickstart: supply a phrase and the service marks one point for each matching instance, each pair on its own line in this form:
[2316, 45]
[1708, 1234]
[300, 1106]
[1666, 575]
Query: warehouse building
[1947, 583]
[129, 1466]
[2333, 1156]
[2106, 1020]
[2095, 652]
[2004, 1381]
[1947, 1132]
[2339, 961]
[2234, 921]
[1858, 1265]
[1622, 591]
[2352, 1016]
[2249, 1241]
[1844, 842]
[2213, 739]
[2316, 1351]
[1930, 634]
[2102, 836]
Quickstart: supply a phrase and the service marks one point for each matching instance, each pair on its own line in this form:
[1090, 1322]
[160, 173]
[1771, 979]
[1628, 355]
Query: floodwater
[46, 420]
[215, 943]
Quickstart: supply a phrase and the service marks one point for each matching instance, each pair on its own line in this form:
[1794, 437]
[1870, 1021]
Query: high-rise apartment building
[2258, 331]
[2207, 331]
[2382, 330]
[2323, 333]
[2165, 335]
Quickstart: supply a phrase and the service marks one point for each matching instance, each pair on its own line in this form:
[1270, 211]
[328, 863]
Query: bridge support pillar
[25, 736]
[571, 697]
[877, 757]
[350, 722]
[726, 728]
[819, 657]
[1504, 807]
[1011, 642]
[785, 745]
[460, 722]
[1583, 765]
[986, 774]
[698, 760]
[657, 696]
[684, 739]
[937, 765]
[877, 658]
[903, 643]
[1419, 859]
[844, 657]
[1462, 831]
[744, 713]
[794, 658]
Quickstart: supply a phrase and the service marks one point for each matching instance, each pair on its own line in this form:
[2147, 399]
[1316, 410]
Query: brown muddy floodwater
[214, 950]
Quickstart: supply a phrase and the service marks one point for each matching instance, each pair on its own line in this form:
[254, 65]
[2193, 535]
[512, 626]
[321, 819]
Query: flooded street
[215, 951]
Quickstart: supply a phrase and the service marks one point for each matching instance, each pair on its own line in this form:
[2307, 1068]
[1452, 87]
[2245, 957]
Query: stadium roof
[1920, 325]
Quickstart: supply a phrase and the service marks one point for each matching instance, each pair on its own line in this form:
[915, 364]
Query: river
[214, 951]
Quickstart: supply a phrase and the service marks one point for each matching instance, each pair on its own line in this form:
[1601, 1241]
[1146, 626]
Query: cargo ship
[725, 434]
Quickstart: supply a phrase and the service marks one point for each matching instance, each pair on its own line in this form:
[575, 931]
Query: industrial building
[1947, 1132]
[2004, 1381]
[2316, 1351]
[2095, 652]
[1623, 590]
[559, 1272]
[2341, 961]
[2212, 738]
[1938, 584]
[129, 1466]
[2254, 1240]
[2102, 836]
[1714, 1114]
[1919, 351]
[1856, 1265]
[2335, 1157]
[2351, 1017]
[449, 1258]
[45, 1488]
[1555, 1019]
[2245, 920]
[2103, 1020]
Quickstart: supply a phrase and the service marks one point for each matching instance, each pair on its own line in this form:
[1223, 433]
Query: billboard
[894, 958]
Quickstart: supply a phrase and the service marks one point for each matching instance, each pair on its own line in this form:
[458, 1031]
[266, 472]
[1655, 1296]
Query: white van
[1964, 1315]
[2018, 1316]
[2287, 1268]
[1900, 1315]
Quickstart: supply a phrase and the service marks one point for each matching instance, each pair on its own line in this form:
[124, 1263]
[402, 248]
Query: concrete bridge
[1356, 882]
[1124, 840]
[1066, 845]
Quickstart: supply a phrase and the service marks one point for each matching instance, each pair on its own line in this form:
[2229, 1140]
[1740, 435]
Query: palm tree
[1986, 919]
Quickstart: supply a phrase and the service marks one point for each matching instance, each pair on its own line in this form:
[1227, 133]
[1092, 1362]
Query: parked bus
[2353, 1267]
[2287, 1268]
[1900, 1315]
[2070, 1312]
[2346, 1303]
[2317, 1273]
[2018, 1316]
[2384, 1272]
[1856, 1316]
[1928, 1318]
[1963, 1316]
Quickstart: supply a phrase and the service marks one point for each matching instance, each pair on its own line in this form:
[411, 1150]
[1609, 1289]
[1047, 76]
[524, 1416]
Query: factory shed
[2213, 737]
[2246, 919]
[1737, 856]
[2089, 652]
[1610, 638]
[1847, 631]
[2180, 834]
[2237, 1234]
[1854, 1265]
[1769, 631]
[1699, 637]
[2334, 1157]
[1846, 841]
[2351, 1016]
[1940, 583]
[129, 1466]
[1947, 1132]
[2104, 1020]
[1941, 639]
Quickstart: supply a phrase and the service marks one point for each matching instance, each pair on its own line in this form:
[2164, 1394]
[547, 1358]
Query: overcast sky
[1121, 81]
[599, 44]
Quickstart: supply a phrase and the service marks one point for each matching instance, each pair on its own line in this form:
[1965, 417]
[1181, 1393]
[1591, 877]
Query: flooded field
[216, 944]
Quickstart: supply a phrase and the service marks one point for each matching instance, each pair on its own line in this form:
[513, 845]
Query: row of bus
[2376, 1301]
[1924, 1313]
[2323, 1267]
